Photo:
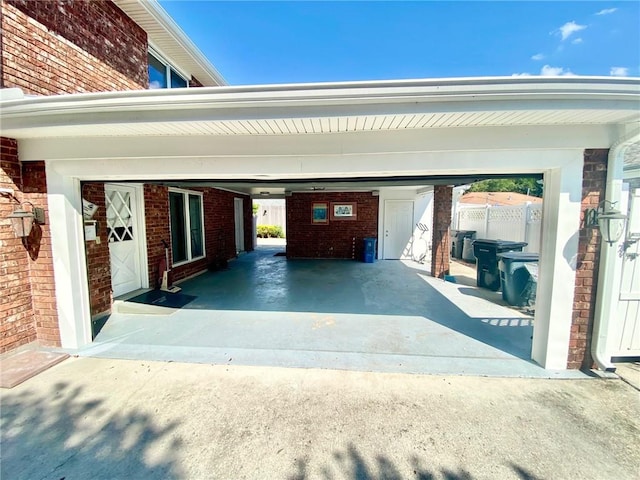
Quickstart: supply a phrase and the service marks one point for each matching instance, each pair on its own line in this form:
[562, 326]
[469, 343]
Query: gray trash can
[486, 252]
[467, 250]
[518, 287]
[457, 241]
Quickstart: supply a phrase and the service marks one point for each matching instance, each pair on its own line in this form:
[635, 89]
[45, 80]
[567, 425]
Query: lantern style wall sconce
[609, 220]
[22, 220]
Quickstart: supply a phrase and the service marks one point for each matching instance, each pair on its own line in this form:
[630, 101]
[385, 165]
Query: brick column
[17, 324]
[98, 260]
[594, 178]
[441, 222]
[43, 287]
[248, 223]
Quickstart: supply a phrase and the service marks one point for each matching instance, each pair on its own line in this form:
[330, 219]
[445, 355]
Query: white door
[398, 228]
[239, 221]
[122, 235]
[627, 340]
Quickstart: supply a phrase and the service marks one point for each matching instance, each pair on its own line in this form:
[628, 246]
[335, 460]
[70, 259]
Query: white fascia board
[308, 101]
[337, 94]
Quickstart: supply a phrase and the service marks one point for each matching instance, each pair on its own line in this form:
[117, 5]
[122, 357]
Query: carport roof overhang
[311, 131]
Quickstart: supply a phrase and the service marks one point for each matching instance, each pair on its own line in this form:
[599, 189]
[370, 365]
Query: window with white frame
[187, 225]
[163, 75]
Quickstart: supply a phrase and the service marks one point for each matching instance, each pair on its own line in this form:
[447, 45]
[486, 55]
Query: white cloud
[523, 74]
[569, 29]
[576, 41]
[606, 11]
[549, 71]
[619, 72]
[538, 56]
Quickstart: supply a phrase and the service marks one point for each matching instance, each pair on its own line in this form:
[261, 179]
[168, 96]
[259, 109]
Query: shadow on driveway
[59, 436]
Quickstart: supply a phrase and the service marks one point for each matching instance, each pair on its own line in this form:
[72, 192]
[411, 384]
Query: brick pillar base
[441, 223]
[594, 177]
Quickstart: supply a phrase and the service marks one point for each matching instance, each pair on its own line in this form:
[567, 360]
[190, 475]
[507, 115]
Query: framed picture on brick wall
[319, 213]
[344, 211]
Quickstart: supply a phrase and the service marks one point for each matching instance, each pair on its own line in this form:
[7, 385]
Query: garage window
[187, 225]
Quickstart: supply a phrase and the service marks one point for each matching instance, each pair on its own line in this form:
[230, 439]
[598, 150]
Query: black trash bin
[518, 287]
[486, 253]
[457, 241]
[370, 250]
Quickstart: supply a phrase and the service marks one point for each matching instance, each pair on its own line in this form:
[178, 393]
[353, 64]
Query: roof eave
[200, 66]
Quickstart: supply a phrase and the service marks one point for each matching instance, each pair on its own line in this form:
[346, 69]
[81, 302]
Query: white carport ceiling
[333, 124]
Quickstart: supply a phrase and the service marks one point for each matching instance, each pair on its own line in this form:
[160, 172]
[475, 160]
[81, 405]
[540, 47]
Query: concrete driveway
[115, 419]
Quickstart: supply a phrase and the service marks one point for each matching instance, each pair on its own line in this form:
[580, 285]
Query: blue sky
[289, 42]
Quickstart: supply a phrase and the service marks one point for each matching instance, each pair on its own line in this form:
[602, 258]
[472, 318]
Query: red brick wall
[220, 245]
[156, 213]
[98, 261]
[442, 198]
[335, 239]
[53, 47]
[17, 323]
[594, 178]
[194, 82]
[43, 292]
[27, 305]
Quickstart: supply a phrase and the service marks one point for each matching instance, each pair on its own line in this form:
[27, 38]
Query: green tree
[527, 186]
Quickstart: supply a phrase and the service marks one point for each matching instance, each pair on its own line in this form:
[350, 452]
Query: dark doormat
[163, 299]
[281, 254]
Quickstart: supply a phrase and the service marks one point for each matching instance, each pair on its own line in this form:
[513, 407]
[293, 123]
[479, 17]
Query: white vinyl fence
[272, 213]
[520, 223]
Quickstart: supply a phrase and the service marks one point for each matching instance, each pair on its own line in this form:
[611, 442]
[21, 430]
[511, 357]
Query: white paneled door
[627, 339]
[123, 237]
[398, 229]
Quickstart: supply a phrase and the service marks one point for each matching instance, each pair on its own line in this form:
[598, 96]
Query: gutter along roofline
[433, 95]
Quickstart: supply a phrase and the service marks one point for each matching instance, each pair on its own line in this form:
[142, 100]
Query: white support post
[487, 213]
[69, 263]
[557, 269]
[525, 222]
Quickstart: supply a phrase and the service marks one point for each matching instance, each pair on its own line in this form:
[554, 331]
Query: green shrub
[270, 231]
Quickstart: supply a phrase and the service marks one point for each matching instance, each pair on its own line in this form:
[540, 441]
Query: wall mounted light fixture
[608, 219]
[22, 220]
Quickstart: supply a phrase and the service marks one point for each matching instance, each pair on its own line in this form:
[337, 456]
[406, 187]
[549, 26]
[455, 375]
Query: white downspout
[608, 272]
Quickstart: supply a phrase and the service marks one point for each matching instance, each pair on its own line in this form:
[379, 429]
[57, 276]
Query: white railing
[519, 223]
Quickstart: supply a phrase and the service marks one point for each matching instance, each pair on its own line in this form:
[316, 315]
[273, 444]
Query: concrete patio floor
[389, 316]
